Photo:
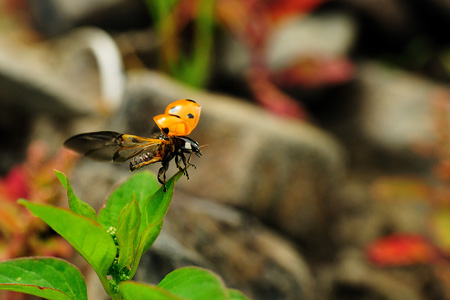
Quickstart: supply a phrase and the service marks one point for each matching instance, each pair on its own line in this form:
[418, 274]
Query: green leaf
[126, 234]
[152, 215]
[76, 204]
[237, 295]
[194, 284]
[140, 186]
[49, 278]
[147, 238]
[155, 207]
[85, 235]
[193, 67]
[140, 291]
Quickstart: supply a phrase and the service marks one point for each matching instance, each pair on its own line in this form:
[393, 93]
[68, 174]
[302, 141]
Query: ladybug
[178, 120]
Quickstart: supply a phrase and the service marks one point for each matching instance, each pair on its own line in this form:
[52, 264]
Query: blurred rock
[200, 232]
[395, 113]
[326, 35]
[396, 110]
[104, 176]
[53, 17]
[354, 278]
[29, 83]
[392, 17]
[247, 255]
[390, 25]
[356, 210]
[389, 120]
[32, 88]
[63, 78]
[441, 5]
[375, 216]
[284, 171]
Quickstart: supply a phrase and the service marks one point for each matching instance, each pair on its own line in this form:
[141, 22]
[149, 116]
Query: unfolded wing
[132, 145]
[111, 146]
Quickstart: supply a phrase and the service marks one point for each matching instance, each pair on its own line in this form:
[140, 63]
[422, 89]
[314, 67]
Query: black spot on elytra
[190, 100]
[165, 130]
[190, 116]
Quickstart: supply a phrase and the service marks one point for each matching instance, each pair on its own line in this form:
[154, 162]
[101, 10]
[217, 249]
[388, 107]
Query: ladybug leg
[177, 162]
[181, 168]
[189, 161]
[183, 159]
[162, 176]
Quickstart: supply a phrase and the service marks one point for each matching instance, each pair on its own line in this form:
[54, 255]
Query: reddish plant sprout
[14, 185]
[280, 10]
[15, 6]
[271, 97]
[20, 233]
[314, 71]
[252, 21]
[401, 250]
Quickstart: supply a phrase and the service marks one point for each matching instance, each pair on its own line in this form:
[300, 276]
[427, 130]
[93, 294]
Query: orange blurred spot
[401, 250]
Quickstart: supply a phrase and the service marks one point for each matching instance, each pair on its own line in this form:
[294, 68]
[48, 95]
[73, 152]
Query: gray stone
[352, 275]
[200, 232]
[241, 250]
[373, 215]
[53, 17]
[327, 35]
[442, 5]
[284, 171]
[167, 254]
[28, 82]
[390, 16]
[31, 90]
[396, 111]
[67, 77]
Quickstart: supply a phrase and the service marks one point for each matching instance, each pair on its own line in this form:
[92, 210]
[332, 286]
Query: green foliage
[112, 243]
[142, 291]
[86, 236]
[186, 283]
[180, 283]
[34, 178]
[49, 278]
[127, 232]
[138, 187]
[236, 295]
[75, 204]
[192, 68]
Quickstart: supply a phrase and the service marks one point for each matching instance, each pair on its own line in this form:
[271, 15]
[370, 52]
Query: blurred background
[326, 167]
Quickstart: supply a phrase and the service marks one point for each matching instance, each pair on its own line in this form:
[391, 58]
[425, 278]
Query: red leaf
[15, 185]
[315, 71]
[272, 98]
[281, 9]
[401, 250]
